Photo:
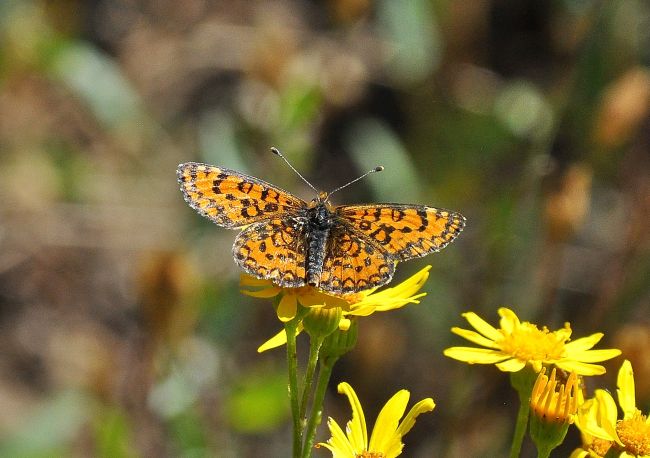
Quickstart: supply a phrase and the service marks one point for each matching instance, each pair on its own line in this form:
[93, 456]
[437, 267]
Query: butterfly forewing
[404, 231]
[232, 199]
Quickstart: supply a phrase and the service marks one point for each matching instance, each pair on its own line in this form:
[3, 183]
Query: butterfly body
[293, 243]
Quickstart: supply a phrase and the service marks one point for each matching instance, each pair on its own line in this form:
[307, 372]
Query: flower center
[600, 446]
[366, 454]
[528, 343]
[635, 434]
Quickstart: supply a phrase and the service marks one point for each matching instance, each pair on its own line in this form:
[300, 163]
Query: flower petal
[475, 355]
[608, 414]
[482, 326]
[249, 280]
[265, 293]
[277, 340]
[287, 307]
[583, 343]
[579, 367]
[425, 405]
[594, 356]
[356, 428]
[511, 365]
[384, 436]
[474, 337]
[338, 444]
[625, 390]
[509, 320]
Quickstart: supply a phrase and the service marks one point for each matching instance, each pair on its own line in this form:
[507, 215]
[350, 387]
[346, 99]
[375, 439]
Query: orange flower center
[528, 343]
[600, 447]
[635, 434]
[366, 454]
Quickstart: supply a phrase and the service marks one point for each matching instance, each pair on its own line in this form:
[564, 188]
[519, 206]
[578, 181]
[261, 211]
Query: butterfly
[337, 249]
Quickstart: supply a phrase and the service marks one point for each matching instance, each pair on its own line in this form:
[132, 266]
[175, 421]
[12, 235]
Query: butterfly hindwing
[273, 250]
[404, 231]
[232, 199]
[354, 263]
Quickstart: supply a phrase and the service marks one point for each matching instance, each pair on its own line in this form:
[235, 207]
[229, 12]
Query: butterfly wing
[404, 231]
[273, 250]
[353, 262]
[232, 199]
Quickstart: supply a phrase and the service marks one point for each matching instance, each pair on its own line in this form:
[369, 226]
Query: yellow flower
[386, 438]
[553, 410]
[598, 418]
[516, 344]
[551, 404]
[360, 304]
[306, 296]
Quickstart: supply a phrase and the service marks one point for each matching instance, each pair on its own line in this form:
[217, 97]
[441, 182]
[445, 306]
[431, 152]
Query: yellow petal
[384, 435]
[338, 444]
[580, 368]
[594, 356]
[625, 389]
[509, 320]
[579, 453]
[287, 307]
[482, 326]
[425, 405]
[474, 337]
[262, 293]
[608, 414]
[356, 427]
[277, 340]
[511, 365]
[475, 355]
[248, 280]
[583, 343]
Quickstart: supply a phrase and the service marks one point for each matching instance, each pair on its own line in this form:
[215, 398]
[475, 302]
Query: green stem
[292, 366]
[523, 382]
[520, 428]
[314, 348]
[324, 375]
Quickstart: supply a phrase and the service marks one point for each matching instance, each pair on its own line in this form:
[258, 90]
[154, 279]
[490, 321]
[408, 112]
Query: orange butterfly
[340, 250]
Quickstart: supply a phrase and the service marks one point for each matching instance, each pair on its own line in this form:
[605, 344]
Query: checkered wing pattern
[232, 199]
[404, 231]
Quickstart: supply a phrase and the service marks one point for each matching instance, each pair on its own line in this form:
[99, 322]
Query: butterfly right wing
[232, 199]
[405, 231]
[274, 250]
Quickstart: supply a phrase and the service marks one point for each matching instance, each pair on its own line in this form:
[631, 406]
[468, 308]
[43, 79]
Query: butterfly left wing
[404, 231]
[353, 262]
[273, 250]
[233, 199]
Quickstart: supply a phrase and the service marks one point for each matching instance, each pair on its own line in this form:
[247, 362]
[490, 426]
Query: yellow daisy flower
[360, 304]
[386, 438]
[553, 405]
[598, 418]
[516, 344]
[555, 402]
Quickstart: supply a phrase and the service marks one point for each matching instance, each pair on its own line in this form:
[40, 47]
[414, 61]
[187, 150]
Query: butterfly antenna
[379, 168]
[277, 152]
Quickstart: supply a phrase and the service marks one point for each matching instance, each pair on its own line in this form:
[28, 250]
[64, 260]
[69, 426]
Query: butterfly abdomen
[320, 221]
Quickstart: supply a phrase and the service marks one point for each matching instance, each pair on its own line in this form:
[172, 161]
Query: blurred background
[122, 329]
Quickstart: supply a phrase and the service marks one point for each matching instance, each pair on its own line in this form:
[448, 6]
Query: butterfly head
[321, 200]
